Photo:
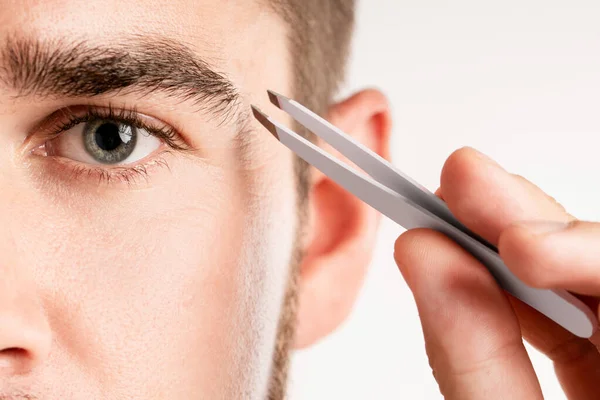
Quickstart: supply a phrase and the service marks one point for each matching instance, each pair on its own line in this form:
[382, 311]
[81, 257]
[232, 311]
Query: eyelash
[67, 118]
[125, 116]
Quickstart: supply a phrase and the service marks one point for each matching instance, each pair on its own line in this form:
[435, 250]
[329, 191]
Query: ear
[342, 229]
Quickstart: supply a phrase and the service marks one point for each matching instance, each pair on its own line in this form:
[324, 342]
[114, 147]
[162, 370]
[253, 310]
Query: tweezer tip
[274, 97]
[264, 121]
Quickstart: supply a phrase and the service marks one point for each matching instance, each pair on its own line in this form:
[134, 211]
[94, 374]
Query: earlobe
[343, 229]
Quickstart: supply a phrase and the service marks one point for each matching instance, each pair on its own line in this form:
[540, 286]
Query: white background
[517, 79]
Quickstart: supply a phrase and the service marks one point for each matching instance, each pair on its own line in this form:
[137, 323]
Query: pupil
[107, 137]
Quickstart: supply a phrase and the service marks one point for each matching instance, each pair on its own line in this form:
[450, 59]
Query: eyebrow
[139, 65]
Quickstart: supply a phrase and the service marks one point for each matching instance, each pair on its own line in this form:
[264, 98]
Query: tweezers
[410, 205]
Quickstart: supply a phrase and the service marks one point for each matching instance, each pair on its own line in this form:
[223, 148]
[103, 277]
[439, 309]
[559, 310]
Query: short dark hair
[320, 33]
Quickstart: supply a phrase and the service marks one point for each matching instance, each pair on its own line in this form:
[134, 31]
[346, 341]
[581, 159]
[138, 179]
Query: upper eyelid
[85, 112]
[54, 124]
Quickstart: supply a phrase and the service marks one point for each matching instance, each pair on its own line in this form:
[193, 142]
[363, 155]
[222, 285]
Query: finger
[540, 253]
[472, 336]
[576, 361]
[554, 255]
[488, 200]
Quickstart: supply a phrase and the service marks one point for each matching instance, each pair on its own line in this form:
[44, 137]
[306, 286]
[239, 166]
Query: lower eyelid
[137, 175]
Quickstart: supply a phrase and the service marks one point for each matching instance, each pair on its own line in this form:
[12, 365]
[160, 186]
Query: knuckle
[571, 351]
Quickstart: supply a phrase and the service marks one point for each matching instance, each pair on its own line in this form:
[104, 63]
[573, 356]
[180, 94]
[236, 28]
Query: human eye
[112, 143]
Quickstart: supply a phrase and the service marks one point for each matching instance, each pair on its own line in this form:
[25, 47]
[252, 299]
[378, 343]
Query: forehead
[243, 39]
[112, 17]
[199, 20]
[222, 31]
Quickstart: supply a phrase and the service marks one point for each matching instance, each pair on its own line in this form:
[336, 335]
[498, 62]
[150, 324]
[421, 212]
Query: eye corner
[68, 140]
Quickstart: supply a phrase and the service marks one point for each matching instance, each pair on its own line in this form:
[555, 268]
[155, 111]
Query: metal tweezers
[412, 206]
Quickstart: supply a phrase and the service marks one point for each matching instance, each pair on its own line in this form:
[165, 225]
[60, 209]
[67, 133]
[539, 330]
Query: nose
[25, 335]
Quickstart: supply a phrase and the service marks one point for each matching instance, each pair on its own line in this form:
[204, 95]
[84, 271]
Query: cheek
[185, 279]
[270, 240]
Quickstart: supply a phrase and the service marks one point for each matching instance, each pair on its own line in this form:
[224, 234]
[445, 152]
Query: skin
[475, 346]
[170, 285]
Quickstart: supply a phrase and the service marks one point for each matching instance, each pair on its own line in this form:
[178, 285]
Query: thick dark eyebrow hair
[139, 64]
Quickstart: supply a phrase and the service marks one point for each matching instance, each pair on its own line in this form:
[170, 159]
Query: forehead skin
[171, 291]
[242, 38]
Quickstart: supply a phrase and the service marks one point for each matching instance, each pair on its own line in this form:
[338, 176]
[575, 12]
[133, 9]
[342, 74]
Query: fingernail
[545, 227]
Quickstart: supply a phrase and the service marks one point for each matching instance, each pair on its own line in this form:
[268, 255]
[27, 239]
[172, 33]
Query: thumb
[472, 337]
[554, 254]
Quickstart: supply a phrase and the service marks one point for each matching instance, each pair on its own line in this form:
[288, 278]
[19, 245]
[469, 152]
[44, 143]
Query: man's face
[147, 224]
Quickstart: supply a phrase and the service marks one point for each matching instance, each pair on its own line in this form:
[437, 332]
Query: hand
[473, 330]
